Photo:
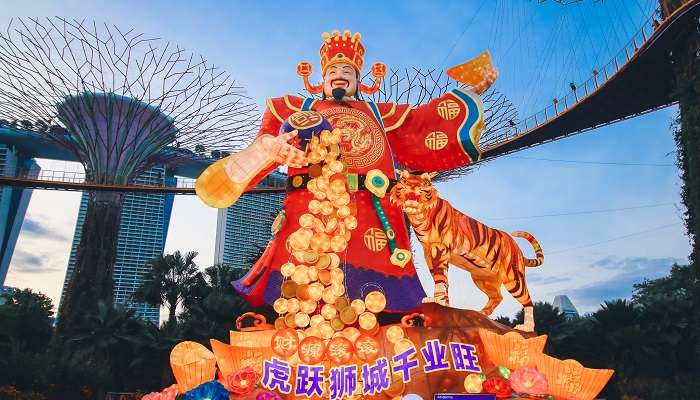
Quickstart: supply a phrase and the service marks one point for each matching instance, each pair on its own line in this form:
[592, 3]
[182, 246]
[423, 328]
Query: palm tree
[173, 280]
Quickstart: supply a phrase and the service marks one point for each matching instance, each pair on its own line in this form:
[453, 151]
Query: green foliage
[652, 342]
[172, 281]
[25, 332]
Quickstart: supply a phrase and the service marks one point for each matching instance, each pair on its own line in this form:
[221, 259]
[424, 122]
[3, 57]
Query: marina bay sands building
[143, 230]
[244, 228]
[13, 202]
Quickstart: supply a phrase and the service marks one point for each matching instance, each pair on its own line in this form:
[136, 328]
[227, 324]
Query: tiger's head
[414, 194]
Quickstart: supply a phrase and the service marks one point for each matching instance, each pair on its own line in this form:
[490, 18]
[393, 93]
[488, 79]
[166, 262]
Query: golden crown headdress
[345, 48]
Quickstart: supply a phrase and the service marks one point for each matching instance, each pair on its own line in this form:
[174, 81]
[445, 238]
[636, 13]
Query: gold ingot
[300, 276]
[367, 321]
[289, 289]
[337, 289]
[351, 333]
[311, 186]
[281, 306]
[325, 137]
[299, 256]
[310, 257]
[347, 236]
[312, 331]
[318, 225]
[292, 305]
[342, 303]
[326, 207]
[324, 261]
[296, 242]
[337, 324]
[289, 320]
[303, 292]
[305, 233]
[338, 243]
[348, 315]
[328, 311]
[331, 224]
[301, 319]
[337, 166]
[319, 195]
[280, 324]
[328, 296]
[394, 333]
[375, 301]
[322, 184]
[358, 305]
[313, 274]
[315, 291]
[472, 72]
[402, 345]
[287, 269]
[324, 277]
[337, 275]
[326, 330]
[320, 242]
[342, 200]
[343, 212]
[334, 148]
[350, 222]
[306, 220]
[316, 319]
[315, 206]
[335, 260]
[308, 306]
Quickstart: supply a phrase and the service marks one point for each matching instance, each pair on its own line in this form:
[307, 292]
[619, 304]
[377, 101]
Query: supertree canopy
[121, 102]
[120, 96]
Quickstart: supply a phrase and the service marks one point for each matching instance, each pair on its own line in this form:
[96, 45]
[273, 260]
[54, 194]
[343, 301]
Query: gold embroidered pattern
[375, 239]
[362, 142]
[436, 140]
[448, 109]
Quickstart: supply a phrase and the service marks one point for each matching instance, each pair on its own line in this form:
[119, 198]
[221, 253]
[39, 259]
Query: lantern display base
[503, 360]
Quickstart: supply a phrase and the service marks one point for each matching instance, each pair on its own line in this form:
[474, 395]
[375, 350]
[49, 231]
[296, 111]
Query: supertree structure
[418, 86]
[121, 102]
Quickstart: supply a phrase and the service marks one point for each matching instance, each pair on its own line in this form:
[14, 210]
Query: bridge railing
[79, 178]
[598, 77]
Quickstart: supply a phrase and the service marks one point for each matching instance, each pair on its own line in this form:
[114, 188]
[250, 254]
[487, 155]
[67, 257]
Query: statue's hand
[279, 148]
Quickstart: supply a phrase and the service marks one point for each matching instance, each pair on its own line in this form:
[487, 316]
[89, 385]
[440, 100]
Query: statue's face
[340, 75]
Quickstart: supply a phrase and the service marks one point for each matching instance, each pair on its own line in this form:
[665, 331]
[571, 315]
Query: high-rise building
[565, 306]
[243, 229]
[13, 202]
[143, 229]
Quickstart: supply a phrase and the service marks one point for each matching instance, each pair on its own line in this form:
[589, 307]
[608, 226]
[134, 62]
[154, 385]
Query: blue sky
[538, 49]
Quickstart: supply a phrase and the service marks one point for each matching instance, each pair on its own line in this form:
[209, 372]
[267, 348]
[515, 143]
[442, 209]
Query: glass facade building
[243, 229]
[13, 203]
[143, 229]
[565, 305]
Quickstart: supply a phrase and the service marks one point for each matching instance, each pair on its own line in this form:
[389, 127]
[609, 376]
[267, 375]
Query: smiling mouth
[340, 83]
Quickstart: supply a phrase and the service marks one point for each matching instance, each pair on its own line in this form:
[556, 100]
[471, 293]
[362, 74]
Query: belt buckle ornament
[400, 257]
[377, 183]
[353, 181]
[297, 181]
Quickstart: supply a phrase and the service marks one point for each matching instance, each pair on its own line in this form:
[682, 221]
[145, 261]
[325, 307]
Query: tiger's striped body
[449, 237]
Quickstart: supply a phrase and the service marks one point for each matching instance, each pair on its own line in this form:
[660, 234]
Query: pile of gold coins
[313, 298]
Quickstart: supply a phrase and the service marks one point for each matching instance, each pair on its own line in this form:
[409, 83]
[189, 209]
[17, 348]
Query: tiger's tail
[529, 262]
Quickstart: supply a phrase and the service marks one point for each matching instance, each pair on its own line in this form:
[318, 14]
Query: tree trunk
[686, 65]
[91, 280]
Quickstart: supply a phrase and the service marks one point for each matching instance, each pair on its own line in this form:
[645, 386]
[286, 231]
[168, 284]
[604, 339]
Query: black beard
[338, 94]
